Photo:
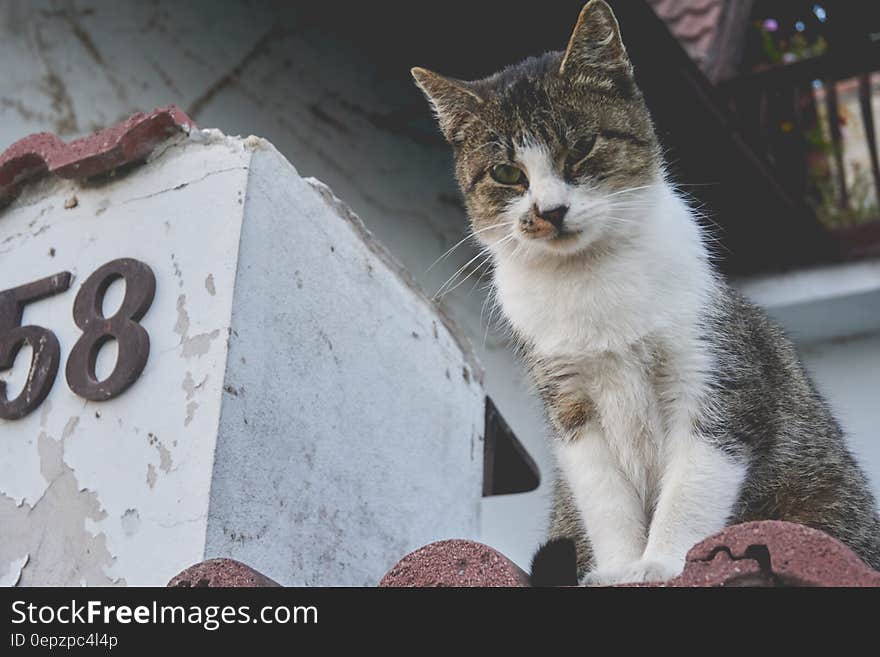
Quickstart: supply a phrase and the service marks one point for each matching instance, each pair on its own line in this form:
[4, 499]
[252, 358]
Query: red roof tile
[129, 141]
[694, 23]
[789, 555]
[766, 553]
[455, 563]
[220, 573]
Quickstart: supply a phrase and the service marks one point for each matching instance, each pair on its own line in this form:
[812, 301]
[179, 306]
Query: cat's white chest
[627, 413]
[608, 334]
[559, 312]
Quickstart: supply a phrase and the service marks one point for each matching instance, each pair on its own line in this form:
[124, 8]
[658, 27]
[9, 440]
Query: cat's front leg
[612, 511]
[699, 486]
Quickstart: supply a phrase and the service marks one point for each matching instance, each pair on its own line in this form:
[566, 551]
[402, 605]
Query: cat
[677, 407]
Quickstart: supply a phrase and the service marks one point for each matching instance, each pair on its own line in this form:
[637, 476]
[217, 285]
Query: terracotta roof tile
[455, 563]
[221, 573]
[766, 553]
[129, 141]
[693, 22]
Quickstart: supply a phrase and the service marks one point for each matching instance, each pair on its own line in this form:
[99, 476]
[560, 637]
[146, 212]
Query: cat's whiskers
[485, 251]
[486, 270]
[628, 191]
[466, 238]
[491, 298]
[488, 256]
[489, 295]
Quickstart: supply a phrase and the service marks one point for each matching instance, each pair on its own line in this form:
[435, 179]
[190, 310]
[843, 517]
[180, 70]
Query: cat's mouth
[547, 232]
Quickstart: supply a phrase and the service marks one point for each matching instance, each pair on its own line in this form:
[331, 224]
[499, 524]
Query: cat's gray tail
[555, 564]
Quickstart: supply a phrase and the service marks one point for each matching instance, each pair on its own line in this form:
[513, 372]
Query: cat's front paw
[634, 573]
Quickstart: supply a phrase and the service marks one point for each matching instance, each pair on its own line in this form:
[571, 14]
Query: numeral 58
[132, 339]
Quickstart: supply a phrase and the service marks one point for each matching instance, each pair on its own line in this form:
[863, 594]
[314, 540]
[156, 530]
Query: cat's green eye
[507, 174]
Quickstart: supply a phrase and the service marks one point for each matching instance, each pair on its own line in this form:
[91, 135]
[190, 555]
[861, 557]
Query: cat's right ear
[454, 102]
[595, 42]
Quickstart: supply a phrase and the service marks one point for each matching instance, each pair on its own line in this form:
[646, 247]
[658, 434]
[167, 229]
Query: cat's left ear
[455, 101]
[595, 42]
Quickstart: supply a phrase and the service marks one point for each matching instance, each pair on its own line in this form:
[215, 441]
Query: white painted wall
[111, 492]
[352, 424]
[304, 408]
[847, 371]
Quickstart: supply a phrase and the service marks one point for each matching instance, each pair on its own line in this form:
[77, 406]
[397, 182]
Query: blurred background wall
[328, 84]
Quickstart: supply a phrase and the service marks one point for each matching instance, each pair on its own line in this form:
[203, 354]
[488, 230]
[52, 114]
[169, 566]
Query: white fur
[632, 283]
[546, 189]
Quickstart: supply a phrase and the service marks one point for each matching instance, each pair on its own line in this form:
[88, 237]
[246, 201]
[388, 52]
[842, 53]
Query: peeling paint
[178, 274]
[13, 571]
[81, 494]
[181, 325]
[131, 522]
[165, 461]
[51, 457]
[190, 412]
[70, 427]
[52, 531]
[190, 387]
[197, 345]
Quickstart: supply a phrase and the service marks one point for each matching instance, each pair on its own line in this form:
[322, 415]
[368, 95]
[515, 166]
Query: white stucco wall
[847, 371]
[116, 492]
[352, 424]
[304, 407]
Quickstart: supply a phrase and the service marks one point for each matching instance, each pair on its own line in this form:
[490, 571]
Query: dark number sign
[14, 336]
[132, 339]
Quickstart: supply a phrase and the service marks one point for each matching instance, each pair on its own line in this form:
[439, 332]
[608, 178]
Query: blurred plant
[768, 42]
[817, 139]
[862, 206]
[776, 49]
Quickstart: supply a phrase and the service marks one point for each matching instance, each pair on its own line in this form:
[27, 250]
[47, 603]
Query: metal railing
[791, 114]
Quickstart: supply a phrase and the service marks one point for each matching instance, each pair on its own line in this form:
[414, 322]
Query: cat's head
[550, 153]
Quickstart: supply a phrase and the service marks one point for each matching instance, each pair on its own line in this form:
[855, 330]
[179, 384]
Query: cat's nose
[554, 215]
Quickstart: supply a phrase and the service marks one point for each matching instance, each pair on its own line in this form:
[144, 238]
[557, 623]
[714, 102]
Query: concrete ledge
[826, 302]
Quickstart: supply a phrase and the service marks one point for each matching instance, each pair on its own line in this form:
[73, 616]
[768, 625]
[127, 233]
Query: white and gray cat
[677, 407]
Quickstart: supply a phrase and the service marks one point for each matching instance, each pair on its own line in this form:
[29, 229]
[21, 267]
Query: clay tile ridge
[694, 24]
[764, 553]
[132, 140]
[221, 573]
